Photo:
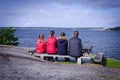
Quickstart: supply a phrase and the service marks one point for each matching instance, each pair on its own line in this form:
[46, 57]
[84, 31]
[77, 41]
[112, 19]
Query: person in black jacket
[75, 46]
[62, 44]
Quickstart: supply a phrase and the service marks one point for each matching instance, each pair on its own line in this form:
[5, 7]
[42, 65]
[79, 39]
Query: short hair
[76, 33]
[62, 34]
[52, 32]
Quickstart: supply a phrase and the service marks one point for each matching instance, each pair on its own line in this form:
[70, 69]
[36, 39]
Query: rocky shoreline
[16, 64]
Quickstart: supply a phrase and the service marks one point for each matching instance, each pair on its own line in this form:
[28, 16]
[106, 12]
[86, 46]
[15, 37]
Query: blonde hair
[41, 37]
[62, 36]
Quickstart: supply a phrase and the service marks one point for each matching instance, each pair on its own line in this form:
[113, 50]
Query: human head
[52, 33]
[41, 36]
[62, 34]
[76, 33]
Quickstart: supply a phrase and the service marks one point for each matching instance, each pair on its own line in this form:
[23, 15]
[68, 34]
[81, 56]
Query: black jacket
[75, 47]
[62, 46]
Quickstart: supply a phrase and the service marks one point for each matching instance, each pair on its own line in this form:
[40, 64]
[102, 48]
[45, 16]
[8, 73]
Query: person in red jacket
[51, 44]
[40, 44]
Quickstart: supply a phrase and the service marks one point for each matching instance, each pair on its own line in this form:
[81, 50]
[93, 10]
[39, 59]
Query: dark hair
[52, 32]
[76, 33]
[62, 34]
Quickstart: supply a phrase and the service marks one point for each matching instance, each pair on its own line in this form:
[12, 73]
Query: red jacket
[40, 46]
[51, 44]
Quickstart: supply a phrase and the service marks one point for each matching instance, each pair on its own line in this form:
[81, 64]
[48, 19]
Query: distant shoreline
[115, 29]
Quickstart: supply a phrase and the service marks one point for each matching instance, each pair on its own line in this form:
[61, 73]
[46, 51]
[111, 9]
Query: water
[102, 41]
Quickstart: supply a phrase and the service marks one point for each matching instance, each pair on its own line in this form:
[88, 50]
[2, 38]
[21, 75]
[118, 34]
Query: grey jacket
[75, 47]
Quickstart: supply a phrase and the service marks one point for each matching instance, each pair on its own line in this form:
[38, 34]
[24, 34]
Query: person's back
[51, 43]
[62, 44]
[40, 44]
[75, 47]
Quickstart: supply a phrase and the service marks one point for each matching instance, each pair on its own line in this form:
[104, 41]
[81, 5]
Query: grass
[108, 62]
[111, 62]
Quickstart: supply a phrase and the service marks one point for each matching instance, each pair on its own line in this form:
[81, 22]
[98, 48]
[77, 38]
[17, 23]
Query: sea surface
[102, 41]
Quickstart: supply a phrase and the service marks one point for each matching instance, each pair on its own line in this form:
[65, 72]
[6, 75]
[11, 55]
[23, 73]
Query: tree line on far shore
[115, 28]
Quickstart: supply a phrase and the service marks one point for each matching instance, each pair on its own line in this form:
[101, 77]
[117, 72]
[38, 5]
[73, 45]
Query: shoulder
[79, 39]
[51, 38]
[74, 39]
[71, 38]
[54, 38]
[65, 38]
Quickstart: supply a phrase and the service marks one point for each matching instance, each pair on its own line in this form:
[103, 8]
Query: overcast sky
[60, 13]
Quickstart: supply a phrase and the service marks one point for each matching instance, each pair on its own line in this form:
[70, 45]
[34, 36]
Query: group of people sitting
[59, 45]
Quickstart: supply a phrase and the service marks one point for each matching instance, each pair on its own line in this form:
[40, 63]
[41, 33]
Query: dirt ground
[16, 64]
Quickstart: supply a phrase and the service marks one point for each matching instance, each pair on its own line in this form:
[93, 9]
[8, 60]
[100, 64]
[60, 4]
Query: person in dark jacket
[75, 46]
[62, 44]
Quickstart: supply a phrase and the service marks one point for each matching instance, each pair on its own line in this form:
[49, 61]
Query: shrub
[7, 36]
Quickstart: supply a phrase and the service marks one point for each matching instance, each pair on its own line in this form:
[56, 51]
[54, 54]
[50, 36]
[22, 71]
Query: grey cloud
[91, 3]
[87, 3]
[102, 3]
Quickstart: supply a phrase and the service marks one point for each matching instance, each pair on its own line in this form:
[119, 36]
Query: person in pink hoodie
[51, 44]
[40, 44]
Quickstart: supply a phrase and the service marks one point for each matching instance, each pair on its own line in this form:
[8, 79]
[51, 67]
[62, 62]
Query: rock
[15, 64]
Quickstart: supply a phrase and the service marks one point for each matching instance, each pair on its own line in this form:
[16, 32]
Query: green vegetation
[7, 36]
[108, 62]
[115, 28]
[111, 62]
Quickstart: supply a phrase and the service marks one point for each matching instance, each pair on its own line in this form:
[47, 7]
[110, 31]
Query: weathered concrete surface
[22, 67]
